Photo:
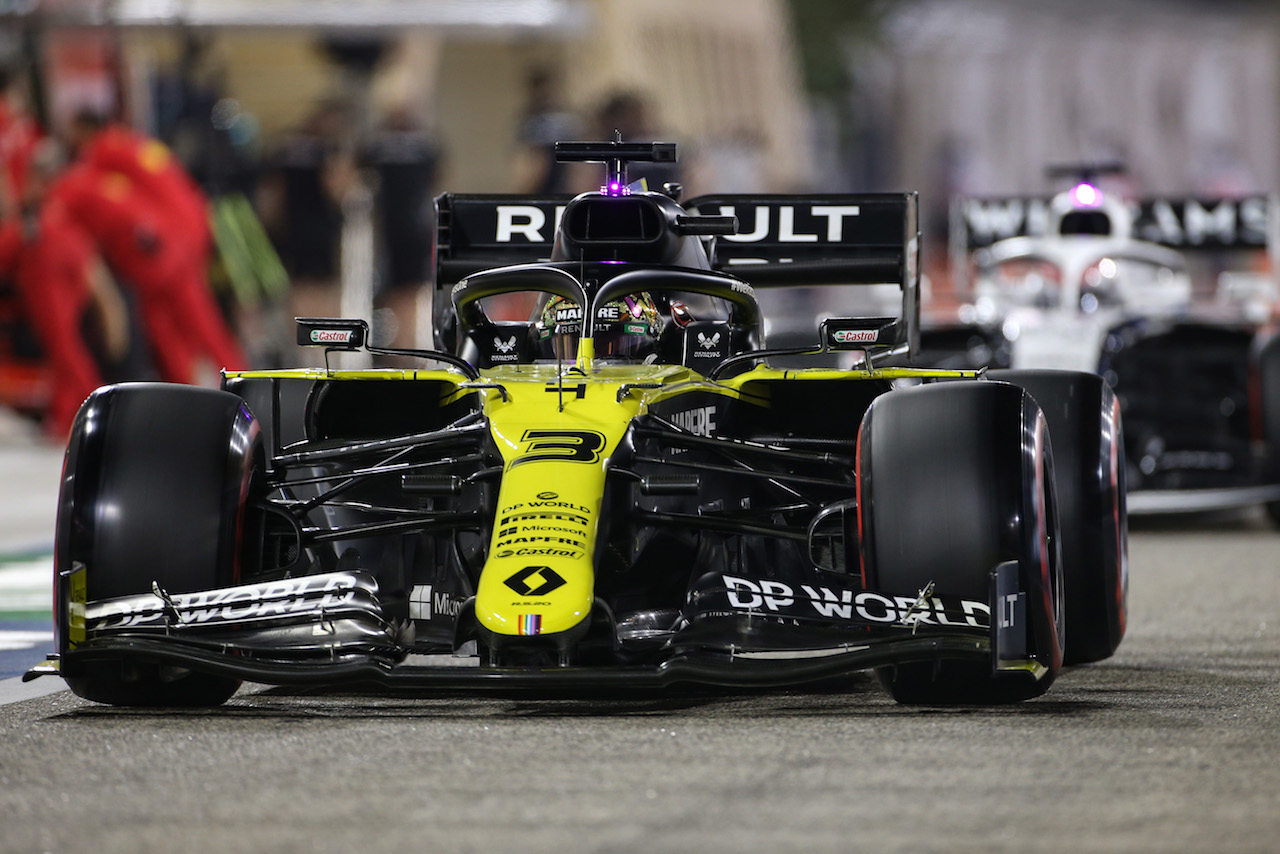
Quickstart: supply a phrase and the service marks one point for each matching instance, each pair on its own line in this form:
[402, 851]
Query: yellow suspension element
[586, 354]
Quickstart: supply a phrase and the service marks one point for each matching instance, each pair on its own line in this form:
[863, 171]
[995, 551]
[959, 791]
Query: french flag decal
[531, 624]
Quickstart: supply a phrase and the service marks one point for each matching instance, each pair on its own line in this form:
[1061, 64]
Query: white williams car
[1171, 300]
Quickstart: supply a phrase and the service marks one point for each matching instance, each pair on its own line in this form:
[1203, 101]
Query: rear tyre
[156, 488]
[955, 479]
[1267, 393]
[1088, 456]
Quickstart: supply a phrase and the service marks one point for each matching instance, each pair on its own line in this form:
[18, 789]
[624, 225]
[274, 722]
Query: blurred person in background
[113, 147]
[405, 159]
[71, 301]
[107, 146]
[23, 374]
[150, 247]
[19, 134]
[300, 199]
[544, 122]
[209, 132]
[627, 112]
[217, 142]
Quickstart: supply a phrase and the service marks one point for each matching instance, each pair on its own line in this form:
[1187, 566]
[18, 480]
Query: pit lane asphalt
[1172, 745]
[30, 467]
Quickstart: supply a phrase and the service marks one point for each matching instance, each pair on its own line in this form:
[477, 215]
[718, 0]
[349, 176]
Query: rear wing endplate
[475, 232]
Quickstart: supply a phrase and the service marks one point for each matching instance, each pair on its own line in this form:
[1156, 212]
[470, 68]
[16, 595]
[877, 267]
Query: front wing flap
[331, 629]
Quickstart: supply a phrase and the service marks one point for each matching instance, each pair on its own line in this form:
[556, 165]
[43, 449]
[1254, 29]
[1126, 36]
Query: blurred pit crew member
[158, 174]
[19, 135]
[150, 165]
[544, 122]
[145, 248]
[69, 298]
[625, 330]
[405, 159]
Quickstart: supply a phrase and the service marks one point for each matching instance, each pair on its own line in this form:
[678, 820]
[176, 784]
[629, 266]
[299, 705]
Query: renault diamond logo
[544, 580]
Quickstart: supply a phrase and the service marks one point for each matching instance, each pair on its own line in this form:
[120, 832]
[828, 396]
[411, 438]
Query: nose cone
[533, 599]
[539, 577]
[556, 439]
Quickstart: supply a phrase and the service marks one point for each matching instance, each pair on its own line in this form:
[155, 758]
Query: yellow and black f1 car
[626, 488]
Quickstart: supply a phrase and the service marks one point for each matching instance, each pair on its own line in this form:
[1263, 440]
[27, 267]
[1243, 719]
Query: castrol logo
[331, 336]
[855, 336]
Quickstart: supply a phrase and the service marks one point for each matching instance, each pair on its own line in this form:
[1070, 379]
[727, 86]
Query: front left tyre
[157, 489]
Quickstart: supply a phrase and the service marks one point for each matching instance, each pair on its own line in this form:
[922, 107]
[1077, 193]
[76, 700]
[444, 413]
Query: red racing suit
[157, 174]
[18, 138]
[152, 253]
[51, 269]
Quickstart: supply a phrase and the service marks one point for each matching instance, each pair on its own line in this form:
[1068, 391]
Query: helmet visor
[625, 330]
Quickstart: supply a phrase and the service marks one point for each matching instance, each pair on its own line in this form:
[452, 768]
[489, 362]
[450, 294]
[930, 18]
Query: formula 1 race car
[1156, 297]
[619, 490]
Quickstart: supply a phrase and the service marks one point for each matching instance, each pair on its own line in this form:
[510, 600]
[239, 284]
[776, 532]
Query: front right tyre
[954, 479]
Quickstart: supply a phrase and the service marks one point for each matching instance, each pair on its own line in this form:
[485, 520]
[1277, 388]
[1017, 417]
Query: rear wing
[1187, 224]
[1179, 223]
[828, 239]
[475, 232]
[870, 238]
[854, 239]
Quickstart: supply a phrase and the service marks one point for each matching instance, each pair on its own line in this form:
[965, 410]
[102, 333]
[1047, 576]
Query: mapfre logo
[331, 336]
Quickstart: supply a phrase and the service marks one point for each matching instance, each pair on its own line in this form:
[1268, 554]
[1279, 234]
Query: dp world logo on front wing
[535, 581]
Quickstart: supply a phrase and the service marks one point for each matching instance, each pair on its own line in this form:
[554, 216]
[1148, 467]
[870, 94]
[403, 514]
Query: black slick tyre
[954, 479]
[1088, 455]
[155, 489]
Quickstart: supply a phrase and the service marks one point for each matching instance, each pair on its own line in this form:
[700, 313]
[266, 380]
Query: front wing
[330, 629]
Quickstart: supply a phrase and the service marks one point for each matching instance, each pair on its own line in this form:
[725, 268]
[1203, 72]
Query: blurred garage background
[850, 93]
[945, 97]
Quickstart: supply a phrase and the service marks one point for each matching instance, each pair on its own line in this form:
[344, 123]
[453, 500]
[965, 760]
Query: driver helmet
[626, 329]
